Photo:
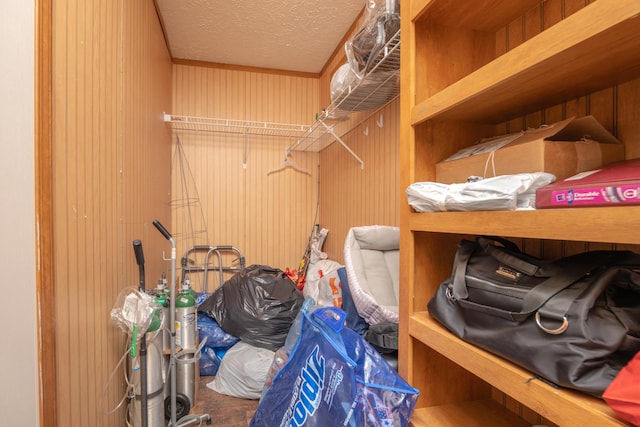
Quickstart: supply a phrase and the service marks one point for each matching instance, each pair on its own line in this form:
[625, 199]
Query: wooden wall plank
[351, 196]
[111, 154]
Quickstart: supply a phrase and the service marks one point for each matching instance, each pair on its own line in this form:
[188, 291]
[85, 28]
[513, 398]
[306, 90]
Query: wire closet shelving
[356, 103]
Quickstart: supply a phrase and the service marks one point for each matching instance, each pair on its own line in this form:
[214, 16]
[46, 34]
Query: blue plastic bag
[210, 359]
[335, 378]
[216, 336]
[218, 341]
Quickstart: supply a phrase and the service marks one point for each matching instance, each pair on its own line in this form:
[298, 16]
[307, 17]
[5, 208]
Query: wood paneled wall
[269, 217]
[111, 83]
[351, 196]
[226, 175]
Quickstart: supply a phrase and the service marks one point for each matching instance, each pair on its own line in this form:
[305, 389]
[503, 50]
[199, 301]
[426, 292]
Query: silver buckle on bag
[449, 294]
[563, 327]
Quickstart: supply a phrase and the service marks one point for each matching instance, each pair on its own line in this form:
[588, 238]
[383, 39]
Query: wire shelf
[358, 101]
[207, 124]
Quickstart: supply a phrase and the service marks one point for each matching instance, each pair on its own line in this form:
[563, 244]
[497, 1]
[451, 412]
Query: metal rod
[137, 249]
[330, 130]
[172, 317]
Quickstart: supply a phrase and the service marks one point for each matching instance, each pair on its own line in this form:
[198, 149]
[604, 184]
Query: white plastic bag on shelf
[504, 192]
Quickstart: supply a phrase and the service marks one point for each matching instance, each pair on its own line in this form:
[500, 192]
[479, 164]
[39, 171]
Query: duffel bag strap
[508, 259]
[567, 275]
[508, 244]
[557, 308]
[463, 254]
[466, 249]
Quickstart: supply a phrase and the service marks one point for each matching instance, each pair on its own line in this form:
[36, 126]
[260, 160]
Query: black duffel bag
[574, 322]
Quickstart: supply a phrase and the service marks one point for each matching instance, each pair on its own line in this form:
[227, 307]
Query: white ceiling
[295, 35]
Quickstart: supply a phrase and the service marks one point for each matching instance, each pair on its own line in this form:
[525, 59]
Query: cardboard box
[563, 149]
[614, 184]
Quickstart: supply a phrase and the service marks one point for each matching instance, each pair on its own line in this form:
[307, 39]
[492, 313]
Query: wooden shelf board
[600, 224]
[561, 406]
[485, 15]
[477, 413]
[578, 55]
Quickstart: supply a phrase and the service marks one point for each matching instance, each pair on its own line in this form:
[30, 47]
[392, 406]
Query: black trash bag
[257, 305]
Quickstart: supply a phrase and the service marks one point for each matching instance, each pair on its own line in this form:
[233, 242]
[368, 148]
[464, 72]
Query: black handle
[161, 229]
[515, 262]
[137, 248]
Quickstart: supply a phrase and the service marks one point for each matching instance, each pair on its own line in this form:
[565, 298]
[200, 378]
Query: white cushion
[372, 262]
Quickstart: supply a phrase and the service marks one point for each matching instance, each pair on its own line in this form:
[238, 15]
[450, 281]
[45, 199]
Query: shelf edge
[613, 224]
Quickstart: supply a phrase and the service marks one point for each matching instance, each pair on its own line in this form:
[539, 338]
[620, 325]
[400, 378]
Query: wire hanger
[286, 163]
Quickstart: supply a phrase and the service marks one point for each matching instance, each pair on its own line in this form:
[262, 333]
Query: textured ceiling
[296, 35]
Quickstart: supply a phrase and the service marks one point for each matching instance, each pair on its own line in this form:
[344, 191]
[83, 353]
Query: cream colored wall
[111, 84]
[18, 370]
[267, 216]
[352, 196]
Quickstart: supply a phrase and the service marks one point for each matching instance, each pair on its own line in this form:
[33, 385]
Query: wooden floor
[225, 411]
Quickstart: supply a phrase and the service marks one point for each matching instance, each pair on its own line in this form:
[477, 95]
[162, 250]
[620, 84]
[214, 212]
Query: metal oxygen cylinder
[187, 374]
[155, 361]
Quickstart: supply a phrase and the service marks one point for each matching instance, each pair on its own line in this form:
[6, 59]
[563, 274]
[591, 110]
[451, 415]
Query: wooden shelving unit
[476, 69]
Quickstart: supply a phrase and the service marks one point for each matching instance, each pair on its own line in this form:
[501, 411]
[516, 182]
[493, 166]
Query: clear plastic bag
[134, 311]
[382, 21]
[282, 354]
